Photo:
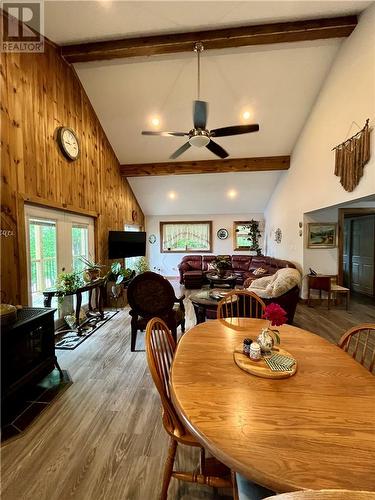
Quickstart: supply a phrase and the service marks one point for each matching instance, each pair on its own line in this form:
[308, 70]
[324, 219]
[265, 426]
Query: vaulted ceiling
[277, 84]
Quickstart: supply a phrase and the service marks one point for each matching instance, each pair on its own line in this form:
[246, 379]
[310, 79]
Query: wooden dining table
[314, 430]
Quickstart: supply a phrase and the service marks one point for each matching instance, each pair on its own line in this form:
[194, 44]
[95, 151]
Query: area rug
[69, 340]
[31, 402]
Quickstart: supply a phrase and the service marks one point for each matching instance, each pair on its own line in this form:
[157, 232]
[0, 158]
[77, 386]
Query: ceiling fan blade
[200, 114]
[216, 149]
[180, 150]
[164, 134]
[235, 130]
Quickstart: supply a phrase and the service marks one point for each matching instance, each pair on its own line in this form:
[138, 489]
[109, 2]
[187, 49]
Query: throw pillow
[285, 280]
[259, 271]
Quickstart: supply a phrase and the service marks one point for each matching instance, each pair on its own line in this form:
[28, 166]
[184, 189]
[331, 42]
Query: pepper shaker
[246, 346]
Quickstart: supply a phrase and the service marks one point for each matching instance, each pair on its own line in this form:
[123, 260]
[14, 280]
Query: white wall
[166, 263]
[347, 96]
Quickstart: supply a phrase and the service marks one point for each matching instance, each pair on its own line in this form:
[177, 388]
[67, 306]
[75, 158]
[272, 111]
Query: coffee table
[204, 302]
[228, 280]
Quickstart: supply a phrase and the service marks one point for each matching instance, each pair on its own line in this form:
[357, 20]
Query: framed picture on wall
[322, 235]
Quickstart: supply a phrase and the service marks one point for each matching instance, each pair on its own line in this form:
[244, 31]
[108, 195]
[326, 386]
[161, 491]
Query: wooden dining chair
[359, 342]
[240, 304]
[160, 348]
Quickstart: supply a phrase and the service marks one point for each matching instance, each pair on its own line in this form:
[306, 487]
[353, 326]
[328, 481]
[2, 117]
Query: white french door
[56, 241]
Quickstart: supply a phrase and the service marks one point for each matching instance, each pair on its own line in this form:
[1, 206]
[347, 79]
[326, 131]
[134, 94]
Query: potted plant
[142, 265]
[92, 268]
[118, 274]
[68, 283]
[253, 236]
[116, 279]
[221, 263]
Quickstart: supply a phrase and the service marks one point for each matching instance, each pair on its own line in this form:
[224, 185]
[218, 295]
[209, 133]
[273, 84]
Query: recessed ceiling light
[105, 3]
[155, 121]
[246, 115]
[172, 195]
[232, 193]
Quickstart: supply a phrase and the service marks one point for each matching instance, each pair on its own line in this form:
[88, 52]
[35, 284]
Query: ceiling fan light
[199, 141]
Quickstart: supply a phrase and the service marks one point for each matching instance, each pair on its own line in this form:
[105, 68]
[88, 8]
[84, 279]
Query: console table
[323, 282]
[98, 285]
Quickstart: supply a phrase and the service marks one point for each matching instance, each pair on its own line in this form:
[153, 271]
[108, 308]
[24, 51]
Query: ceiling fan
[199, 135]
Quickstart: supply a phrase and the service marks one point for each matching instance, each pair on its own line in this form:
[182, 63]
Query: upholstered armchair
[150, 295]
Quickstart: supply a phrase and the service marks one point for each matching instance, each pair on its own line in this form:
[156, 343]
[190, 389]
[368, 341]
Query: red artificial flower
[275, 314]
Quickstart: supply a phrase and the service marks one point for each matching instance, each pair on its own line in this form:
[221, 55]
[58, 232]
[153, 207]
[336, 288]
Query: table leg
[78, 308]
[90, 299]
[59, 368]
[100, 300]
[200, 313]
[47, 300]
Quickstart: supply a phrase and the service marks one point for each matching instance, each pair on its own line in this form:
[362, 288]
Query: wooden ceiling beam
[259, 164]
[294, 31]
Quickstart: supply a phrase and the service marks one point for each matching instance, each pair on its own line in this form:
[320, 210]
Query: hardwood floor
[103, 439]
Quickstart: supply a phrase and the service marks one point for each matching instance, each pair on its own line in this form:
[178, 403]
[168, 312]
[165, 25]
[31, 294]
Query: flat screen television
[126, 244]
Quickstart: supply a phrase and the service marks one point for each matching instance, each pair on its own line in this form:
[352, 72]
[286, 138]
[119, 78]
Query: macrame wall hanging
[351, 156]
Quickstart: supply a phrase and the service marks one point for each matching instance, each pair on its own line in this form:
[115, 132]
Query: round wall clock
[152, 239]
[222, 234]
[68, 143]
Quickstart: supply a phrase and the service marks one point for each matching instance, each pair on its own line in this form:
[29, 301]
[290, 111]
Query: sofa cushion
[258, 262]
[193, 273]
[241, 262]
[194, 264]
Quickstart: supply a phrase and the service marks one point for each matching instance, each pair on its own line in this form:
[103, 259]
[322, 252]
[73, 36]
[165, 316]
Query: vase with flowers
[268, 337]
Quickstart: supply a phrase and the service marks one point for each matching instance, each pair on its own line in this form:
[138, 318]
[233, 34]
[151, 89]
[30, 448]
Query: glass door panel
[43, 258]
[80, 246]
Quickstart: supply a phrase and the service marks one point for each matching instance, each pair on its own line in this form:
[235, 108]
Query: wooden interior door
[346, 254]
[362, 254]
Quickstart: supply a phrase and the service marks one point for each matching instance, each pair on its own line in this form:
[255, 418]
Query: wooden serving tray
[260, 368]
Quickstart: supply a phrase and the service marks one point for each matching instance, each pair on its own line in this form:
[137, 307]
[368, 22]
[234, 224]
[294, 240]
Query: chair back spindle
[359, 342]
[240, 304]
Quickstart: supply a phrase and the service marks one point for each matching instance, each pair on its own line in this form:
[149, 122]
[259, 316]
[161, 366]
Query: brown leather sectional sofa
[193, 268]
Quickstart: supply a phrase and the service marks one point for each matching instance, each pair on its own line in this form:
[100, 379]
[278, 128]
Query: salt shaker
[255, 352]
[246, 346]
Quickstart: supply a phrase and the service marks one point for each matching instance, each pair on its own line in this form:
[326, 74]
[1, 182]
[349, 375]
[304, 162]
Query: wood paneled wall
[39, 93]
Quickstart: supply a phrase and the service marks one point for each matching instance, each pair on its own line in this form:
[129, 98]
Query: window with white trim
[186, 237]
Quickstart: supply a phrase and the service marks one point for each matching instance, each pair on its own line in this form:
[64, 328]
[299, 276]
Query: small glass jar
[255, 351]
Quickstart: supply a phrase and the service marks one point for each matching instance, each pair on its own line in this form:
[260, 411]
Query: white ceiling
[205, 194]
[75, 21]
[278, 84]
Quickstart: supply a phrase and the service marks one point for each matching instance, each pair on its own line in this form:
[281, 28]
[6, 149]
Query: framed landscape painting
[322, 235]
